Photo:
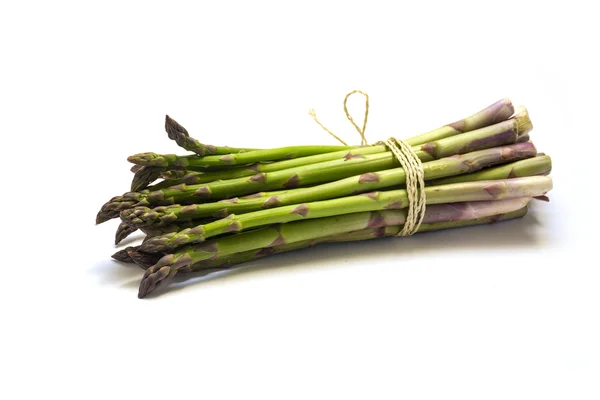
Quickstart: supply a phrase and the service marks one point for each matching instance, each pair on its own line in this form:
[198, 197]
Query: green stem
[283, 153]
[497, 112]
[540, 165]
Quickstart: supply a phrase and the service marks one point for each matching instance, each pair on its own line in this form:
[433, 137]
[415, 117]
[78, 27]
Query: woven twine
[409, 161]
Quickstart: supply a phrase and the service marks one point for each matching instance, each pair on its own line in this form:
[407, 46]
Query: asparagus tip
[101, 217]
[153, 277]
[158, 243]
[123, 231]
[114, 206]
[123, 255]
[174, 129]
[144, 260]
[136, 158]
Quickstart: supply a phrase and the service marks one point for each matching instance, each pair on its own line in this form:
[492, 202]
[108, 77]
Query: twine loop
[408, 159]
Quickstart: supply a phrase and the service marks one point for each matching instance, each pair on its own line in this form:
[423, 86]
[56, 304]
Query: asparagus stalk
[460, 224]
[540, 165]
[294, 232]
[181, 136]
[282, 153]
[189, 177]
[374, 201]
[497, 112]
[393, 230]
[144, 216]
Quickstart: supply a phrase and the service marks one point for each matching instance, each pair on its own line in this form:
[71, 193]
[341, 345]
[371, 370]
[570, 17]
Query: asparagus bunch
[222, 206]
[345, 165]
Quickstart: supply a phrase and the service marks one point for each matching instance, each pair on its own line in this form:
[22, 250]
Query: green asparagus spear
[283, 153]
[497, 112]
[459, 224]
[540, 165]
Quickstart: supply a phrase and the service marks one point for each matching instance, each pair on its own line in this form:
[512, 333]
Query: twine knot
[408, 159]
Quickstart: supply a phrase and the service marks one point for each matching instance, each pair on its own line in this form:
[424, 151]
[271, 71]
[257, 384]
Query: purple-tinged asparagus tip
[173, 128]
[123, 231]
[144, 260]
[156, 244]
[101, 217]
[152, 279]
[123, 255]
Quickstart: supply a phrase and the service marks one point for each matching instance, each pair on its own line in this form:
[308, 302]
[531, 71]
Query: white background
[507, 311]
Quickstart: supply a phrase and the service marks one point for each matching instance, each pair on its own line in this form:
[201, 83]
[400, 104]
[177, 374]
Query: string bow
[408, 159]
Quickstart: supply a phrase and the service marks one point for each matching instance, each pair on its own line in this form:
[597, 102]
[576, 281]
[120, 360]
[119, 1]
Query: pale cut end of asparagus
[524, 125]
